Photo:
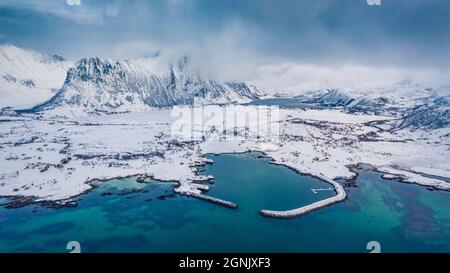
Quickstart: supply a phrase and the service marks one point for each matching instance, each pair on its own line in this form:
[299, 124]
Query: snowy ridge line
[214, 200]
[97, 85]
[341, 196]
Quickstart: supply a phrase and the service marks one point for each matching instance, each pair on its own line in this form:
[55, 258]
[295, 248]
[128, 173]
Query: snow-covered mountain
[398, 98]
[429, 118]
[27, 77]
[103, 85]
[353, 101]
[416, 107]
[432, 115]
[334, 98]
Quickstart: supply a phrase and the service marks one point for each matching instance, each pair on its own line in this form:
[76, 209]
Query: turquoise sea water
[126, 216]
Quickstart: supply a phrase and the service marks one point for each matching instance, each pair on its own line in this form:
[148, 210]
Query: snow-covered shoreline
[53, 156]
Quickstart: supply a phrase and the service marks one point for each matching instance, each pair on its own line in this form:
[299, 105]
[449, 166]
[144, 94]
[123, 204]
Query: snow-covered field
[99, 122]
[50, 156]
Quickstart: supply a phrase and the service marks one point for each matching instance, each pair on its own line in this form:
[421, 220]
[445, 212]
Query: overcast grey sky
[237, 37]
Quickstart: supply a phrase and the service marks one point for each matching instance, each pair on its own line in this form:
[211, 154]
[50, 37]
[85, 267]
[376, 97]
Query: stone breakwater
[214, 200]
[339, 197]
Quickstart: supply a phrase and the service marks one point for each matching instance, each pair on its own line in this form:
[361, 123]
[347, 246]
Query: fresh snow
[102, 85]
[28, 78]
[103, 119]
[57, 157]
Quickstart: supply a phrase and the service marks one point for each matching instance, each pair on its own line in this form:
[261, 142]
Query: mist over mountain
[97, 85]
[28, 77]
[104, 85]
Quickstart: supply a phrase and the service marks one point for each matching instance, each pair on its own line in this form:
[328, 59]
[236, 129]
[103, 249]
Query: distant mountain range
[416, 106]
[41, 82]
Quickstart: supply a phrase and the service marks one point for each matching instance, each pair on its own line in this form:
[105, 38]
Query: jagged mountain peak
[95, 68]
[58, 58]
[103, 85]
[183, 63]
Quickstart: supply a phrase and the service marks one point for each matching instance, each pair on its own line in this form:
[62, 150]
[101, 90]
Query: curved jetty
[340, 196]
[214, 200]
